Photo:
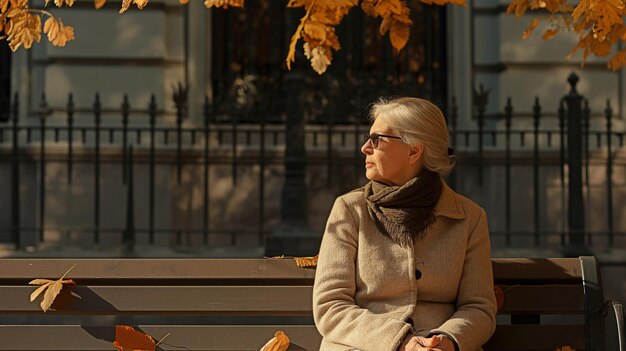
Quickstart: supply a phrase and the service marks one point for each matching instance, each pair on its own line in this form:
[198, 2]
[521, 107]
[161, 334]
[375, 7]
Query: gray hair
[418, 121]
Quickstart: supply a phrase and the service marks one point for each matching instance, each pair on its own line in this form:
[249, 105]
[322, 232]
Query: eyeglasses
[374, 137]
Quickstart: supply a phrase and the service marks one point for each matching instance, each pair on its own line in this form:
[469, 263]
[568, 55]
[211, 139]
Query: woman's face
[392, 162]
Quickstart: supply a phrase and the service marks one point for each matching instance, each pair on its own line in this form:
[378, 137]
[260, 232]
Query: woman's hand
[419, 343]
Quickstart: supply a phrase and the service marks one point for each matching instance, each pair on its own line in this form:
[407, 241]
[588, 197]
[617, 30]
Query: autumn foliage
[599, 23]
[52, 289]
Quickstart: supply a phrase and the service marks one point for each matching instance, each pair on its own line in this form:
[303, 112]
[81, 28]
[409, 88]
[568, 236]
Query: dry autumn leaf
[129, 339]
[306, 261]
[564, 348]
[52, 288]
[280, 342]
[223, 3]
[549, 34]
[99, 3]
[126, 4]
[531, 28]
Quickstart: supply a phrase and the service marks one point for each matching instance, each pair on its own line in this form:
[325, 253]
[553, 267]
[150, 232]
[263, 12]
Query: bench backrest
[238, 304]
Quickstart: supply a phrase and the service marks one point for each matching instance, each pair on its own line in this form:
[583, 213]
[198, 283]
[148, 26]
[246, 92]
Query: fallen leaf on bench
[499, 296]
[306, 261]
[564, 348]
[129, 339]
[52, 288]
[280, 342]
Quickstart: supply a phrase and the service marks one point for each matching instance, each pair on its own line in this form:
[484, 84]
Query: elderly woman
[405, 262]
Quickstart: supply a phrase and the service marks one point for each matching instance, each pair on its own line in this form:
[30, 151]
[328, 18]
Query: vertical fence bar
[205, 213]
[125, 113]
[608, 112]
[42, 166]
[152, 116]
[180, 98]
[562, 165]
[128, 237]
[234, 146]
[480, 102]
[70, 137]
[576, 213]
[97, 111]
[508, 114]
[586, 118]
[262, 180]
[15, 179]
[536, 118]
[329, 149]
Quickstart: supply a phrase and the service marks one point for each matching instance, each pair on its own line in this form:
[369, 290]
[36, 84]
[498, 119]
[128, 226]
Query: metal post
[70, 137]
[97, 110]
[576, 216]
[294, 236]
[42, 166]
[481, 98]
[125, 113]
[609, 171]
[208, 108]
[152, 112]
[180, 100]
[536, 117]
[508, 114]
[15, 179]
[128, 237]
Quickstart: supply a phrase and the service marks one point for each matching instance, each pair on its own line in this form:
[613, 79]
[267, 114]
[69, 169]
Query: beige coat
[366, 287]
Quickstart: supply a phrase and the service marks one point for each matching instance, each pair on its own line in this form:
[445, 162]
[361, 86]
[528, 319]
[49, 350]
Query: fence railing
[573, 148]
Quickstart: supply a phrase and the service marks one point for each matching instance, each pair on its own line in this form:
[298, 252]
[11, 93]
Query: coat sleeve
[474, 321]
[337, 317]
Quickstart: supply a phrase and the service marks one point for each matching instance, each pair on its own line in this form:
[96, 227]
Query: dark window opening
[250, 46]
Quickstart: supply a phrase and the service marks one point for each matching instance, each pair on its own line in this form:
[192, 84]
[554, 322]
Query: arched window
[250, 46]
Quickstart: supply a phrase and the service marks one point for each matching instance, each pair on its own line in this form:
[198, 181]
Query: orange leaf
[51, 287]
[306, 261]
[399, 35]
[549, 34]
[99, 3]
[315, 30]
[129, 339]
[564, 348]
[531, 27]
[280, 342]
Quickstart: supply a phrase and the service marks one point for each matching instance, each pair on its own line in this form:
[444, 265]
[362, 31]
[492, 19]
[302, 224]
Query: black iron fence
[485, 156]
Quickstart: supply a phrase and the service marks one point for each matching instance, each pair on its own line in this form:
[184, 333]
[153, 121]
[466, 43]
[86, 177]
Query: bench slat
[536, 269]
[543, 298]
[296, 300]
[73, 337]
[536, 337]
[100, 338]
[266, 300]
[138, 268]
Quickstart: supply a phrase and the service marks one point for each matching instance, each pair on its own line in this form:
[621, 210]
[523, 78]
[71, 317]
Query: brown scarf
[404, 213]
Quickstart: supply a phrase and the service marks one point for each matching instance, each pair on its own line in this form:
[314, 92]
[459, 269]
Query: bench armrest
[619, 318]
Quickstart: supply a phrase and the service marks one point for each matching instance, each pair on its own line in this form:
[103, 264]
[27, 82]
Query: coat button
[418, 274]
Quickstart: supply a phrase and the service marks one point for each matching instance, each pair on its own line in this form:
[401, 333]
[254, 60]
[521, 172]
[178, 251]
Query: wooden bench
[238, 304]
